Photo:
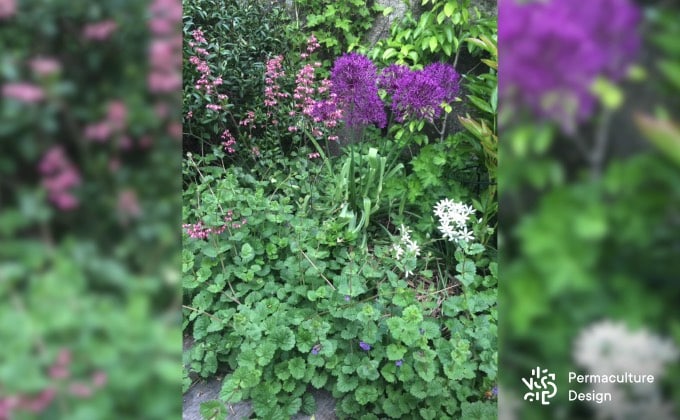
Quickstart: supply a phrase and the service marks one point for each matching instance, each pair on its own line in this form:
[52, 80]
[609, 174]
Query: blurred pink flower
[80, 390]
[99, 379]
[60, 176]
[165, 52]
[99, 31]
[166, 16]
[99, 132]
[7, 9]
[60, 369]
[117, 114]
[64, 357]
[114, 165]
[44, 66]
[164, 81]
[23, 92]
[128, 205]
[41, 402]
[175, 130]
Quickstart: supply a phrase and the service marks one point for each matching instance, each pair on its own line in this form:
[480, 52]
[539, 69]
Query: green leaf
[308, 404]
[671, 70]
[366, 394]
[663, 134]
[284, 338]
[319, 380]
[388, 372]
[449, 8]
[389, 53]
[346, 383]
[247, 253]
[231, 391]
[480, 103]
[610, 95]
[209, 250]
[213, 410]
[395, 352]
[297, 366]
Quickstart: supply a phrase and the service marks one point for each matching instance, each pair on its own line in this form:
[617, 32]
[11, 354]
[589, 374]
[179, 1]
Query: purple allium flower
[364, 346]
[554, 50]
[447, 79]
[354, 79]
[316, 349]
[420, 93]
[399, 362]
[389, 76]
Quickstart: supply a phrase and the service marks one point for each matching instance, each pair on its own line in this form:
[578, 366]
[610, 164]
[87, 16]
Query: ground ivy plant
[279, 300]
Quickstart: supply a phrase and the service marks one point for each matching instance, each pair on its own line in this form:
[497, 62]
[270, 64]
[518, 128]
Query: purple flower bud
[364, 346]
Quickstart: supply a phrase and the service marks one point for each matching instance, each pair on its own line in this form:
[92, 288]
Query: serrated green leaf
[247, 253]
[297, 367]
[395, 352]
[213, 410]
[366, 394]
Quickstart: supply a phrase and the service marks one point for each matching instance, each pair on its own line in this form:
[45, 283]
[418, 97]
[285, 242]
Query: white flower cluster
[609, 347]
[453, 217]
[406, 245]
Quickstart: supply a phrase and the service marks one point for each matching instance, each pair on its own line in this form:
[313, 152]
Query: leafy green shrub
[338, 25]
[440, 31]
[238, 37]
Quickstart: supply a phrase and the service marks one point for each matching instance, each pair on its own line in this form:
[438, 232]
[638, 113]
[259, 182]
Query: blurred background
[90, 209]
[590, 203]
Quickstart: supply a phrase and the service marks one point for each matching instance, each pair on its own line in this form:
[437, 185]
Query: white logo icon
[541, 386]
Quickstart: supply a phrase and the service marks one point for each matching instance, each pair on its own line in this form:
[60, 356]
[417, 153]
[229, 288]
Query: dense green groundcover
[316, 263]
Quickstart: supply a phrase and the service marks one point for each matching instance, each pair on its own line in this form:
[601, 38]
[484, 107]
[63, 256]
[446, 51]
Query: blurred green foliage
[94, 282]
[582, 242]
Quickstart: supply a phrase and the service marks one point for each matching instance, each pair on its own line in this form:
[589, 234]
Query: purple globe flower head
[354, 81]
[553, 51]
[447, 79]
[390, 75]
[419, 94]
[364, 346]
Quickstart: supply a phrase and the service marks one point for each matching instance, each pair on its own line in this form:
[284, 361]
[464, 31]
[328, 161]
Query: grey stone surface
[206, 390]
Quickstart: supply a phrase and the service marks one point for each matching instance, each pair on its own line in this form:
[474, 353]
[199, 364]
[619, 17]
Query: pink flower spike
[99, 31]
[43, 66]
[23, 92]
